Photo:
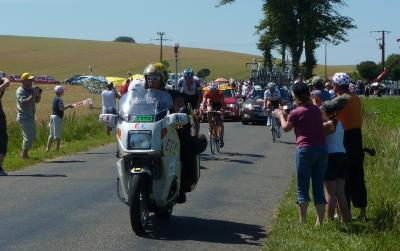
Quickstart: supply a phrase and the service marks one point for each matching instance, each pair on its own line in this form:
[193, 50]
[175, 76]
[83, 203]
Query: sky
[192, 23]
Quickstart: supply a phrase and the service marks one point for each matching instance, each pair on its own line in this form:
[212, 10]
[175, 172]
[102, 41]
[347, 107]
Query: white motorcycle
[149, 168]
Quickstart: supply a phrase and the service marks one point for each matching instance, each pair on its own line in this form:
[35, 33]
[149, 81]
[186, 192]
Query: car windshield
[144, 105]
[228, 93]
[257, 94]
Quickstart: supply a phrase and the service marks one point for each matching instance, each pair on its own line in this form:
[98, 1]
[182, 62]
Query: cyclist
[214, 99]
[189, 86]
[272, 100]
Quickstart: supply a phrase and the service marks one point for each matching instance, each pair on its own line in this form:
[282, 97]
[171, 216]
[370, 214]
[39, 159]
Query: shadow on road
[91, 153]
[207, 157]
[285, 142]
[65, 161]
[38, 175]
[244, 154]
[208, 230]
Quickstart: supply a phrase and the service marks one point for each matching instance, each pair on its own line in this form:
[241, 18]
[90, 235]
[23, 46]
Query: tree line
[297, 26]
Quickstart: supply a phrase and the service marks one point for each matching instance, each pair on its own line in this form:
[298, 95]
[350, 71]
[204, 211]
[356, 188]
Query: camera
[39, 90]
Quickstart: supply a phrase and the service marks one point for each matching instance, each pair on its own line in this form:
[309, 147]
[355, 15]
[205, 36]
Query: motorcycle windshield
[144, 105]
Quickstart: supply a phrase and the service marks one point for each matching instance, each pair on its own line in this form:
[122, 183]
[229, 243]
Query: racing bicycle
[215, 131]
[274, 127]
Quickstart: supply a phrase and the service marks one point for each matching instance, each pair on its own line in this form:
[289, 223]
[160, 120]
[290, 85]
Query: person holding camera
[4, 84]
[27, 97]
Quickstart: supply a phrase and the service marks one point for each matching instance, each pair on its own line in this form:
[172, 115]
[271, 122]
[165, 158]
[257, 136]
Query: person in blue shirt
[56, 118]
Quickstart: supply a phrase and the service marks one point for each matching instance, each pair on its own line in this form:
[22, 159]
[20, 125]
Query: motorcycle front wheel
[138, 204]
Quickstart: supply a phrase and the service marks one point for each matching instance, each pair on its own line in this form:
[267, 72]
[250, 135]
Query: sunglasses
[153, 78]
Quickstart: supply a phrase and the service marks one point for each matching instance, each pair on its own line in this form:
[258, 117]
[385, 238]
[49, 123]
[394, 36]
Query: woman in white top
[337, 163]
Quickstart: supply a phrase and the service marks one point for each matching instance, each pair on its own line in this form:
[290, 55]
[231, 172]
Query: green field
[62, 58]
[382, 176]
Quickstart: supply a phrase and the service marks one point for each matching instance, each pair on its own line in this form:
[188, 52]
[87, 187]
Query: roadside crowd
[327, 122]
[27, 97]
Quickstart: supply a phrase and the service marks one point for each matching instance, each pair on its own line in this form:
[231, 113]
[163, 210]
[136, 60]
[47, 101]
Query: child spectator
[56, 118]
[337, 163]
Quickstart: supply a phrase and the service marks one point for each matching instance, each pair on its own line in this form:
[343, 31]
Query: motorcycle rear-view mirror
[109, 120]
[177, 119]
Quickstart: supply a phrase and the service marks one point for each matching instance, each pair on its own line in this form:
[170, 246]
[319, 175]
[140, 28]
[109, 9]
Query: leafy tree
[303, 25]
[368, 70]
[393, 64]
[125, 39]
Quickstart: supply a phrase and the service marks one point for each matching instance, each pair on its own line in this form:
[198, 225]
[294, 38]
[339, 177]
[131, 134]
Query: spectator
[108, 100]
[4, 84]
[337, 163]
[350, 114]
[319, 95]
[27, 97]
[311, 155]
[56, 118]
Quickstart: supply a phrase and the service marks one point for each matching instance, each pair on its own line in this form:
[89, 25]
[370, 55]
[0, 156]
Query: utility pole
[161, 39]
[382, 45]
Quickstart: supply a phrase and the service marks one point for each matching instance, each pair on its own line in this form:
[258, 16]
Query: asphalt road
[70, 203]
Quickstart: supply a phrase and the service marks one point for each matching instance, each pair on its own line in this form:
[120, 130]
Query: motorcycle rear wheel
[163, 213]
[138, 204]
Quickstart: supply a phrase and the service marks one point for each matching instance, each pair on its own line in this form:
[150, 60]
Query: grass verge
[79, 134]
[382, 174]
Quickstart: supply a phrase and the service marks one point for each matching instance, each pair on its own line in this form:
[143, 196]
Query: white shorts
[55, 126]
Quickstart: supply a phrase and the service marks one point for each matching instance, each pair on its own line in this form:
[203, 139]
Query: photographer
[4, 84]
[27, 97]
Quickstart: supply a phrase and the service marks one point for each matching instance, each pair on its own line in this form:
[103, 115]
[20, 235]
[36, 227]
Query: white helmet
[271, 85]
[58, 89]
[341, 78]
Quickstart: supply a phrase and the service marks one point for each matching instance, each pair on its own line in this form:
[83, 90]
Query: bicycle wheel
[212, 142]
[273, 129]
[217, 144]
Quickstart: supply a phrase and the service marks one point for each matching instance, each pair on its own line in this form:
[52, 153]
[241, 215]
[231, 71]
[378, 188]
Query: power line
[161, 39]
[382, 44]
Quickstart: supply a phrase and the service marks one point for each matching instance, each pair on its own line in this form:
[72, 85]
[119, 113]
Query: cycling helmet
[188, 72]
[157, 69]
[341, 78]
[213, 87]
[58, 89]
[271, 85]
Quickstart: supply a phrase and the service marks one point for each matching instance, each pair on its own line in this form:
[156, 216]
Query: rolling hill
[62, 58]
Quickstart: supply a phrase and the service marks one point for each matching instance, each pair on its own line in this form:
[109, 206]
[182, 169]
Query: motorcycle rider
[214, 99]
[156, 77]
[189, 86]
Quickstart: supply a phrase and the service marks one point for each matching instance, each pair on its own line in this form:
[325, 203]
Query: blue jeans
[311, 162]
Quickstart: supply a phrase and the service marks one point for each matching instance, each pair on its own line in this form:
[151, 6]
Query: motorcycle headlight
[248, 106]
[139, 140]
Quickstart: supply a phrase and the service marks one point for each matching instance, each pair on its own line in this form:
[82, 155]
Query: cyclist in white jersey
[272, 100]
